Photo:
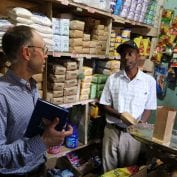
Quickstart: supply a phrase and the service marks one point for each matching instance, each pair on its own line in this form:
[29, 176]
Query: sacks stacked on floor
[99, 39]
[97, 85]
[62, 82]
[20, 16]
[86, 82]
[76, 35]
[60, 28]
[108, 67]
[4, 25]
[39, 80]
[43, 25]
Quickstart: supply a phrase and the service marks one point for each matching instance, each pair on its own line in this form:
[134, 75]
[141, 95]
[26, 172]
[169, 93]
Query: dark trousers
[38, 172]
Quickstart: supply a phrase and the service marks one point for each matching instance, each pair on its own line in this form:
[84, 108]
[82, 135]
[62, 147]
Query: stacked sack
[108, 67]
[20, 16]
[76, 35]
[99, 39]
[97, 85]
[55, 77]
[62, 82]
[60, 28]
[43, 25]
[4, 25]
[71, 82]
[86, 44]
[86, 82]
[39, 80]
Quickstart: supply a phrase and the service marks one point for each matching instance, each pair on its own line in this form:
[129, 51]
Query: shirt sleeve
[21, 152]
[151, 103]
[106, 98]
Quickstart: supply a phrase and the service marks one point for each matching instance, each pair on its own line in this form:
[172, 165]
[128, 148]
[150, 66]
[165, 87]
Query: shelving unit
[46, 7]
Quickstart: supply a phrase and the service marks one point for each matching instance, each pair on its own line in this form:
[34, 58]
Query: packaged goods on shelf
[70, 91]
[70, 99]
[77, 25]
[58, 100]
[49, 96]
[76, 49]
[98, 82]
[150, 13]
[99, 78]
[55, 86]
[87, 71]
[71, 74]
[76, 34]
[41, 19]
[118, 7]
[70, 65]
[56, 94]
[4, 25]
[41, 93]
[38, 77]
[39, 85]
[70, 83]
[56, 69]
[73, 42]
[56, 78]
[86, 37]
[85, 83]
[84, 97]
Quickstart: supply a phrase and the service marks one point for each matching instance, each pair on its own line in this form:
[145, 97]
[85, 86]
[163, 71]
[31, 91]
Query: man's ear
[25, 52]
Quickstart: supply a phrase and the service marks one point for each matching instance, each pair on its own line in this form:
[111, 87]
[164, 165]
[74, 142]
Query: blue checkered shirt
[18, 155]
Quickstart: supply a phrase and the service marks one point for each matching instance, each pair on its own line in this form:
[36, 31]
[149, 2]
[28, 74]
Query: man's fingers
[55, 122]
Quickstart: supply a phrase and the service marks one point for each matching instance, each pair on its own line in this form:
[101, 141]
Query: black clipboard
[45, 109]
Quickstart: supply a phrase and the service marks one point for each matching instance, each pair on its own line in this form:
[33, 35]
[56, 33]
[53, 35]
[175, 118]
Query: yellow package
[94, 111]
[137, 40]
[123, 172]
[146, 45]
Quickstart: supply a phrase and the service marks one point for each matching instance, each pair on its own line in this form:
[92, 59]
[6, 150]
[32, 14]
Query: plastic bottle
[72, 140]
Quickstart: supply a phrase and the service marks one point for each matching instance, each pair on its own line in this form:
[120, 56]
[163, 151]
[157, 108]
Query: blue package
[118, 7]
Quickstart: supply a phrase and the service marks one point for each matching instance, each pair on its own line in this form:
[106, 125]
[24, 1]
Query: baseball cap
[127, 44]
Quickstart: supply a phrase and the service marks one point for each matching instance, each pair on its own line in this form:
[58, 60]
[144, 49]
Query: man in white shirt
[132, 91]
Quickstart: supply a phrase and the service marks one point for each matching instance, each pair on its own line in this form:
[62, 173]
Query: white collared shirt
[132, 96]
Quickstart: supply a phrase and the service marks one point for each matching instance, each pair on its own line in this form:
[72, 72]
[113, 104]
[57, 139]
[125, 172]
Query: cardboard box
[164, 125]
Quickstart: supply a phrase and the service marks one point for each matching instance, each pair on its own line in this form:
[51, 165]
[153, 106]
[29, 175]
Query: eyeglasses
[44, 49]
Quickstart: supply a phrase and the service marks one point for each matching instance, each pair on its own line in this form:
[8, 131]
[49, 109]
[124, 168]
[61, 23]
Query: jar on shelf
[72, 140]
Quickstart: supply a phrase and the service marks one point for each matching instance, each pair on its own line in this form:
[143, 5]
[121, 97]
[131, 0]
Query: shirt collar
[13, 77]
[138, 76]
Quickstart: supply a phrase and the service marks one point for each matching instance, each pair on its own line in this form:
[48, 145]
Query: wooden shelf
[75, 55]
[84, 102]
[63, 151]
[92, 10]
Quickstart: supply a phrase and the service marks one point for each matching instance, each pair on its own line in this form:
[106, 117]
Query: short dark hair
[14, 38]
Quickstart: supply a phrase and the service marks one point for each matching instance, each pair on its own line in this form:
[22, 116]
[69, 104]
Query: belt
[116, 127]
[37, 172]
